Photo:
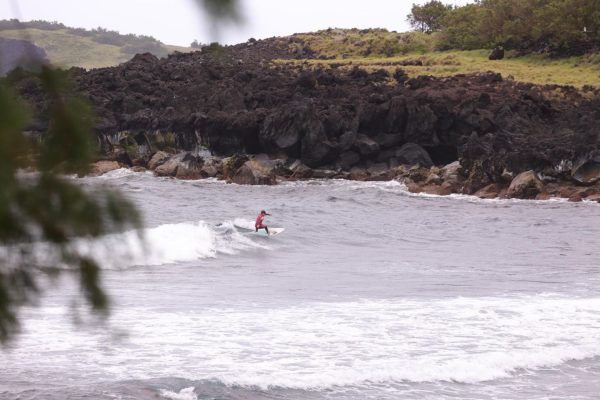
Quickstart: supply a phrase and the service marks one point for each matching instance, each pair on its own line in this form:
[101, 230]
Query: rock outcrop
[497, 53]
[526, 185]
[355, 123]
[255, 172]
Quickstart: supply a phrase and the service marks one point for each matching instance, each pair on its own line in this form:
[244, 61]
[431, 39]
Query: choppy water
[371, 293]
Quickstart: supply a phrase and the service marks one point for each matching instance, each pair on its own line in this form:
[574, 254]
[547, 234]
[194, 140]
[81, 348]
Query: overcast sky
[180, 22]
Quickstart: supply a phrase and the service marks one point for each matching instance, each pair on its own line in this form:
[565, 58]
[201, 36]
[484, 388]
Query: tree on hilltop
[429, 17]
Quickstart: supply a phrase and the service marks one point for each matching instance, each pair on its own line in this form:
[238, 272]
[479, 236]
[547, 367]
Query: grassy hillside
[415, 53]
[345, 43]
[69, 47]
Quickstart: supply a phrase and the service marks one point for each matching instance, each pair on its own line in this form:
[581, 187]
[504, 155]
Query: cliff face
[236, 100]
[14, 53]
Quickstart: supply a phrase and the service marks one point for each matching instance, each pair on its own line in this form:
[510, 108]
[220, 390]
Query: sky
[179, 22]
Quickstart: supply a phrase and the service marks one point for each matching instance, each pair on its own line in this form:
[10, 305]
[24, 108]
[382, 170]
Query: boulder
[440, 190]
[594, 197]
[168, 168]
[358, 174]
[400, 75]
[348, 159]
[587, 171]
[365, 145]
[447, 188]
[316, 149]
[497, 53]
[122, 157]
[377, 168]
[543, 196]
[526, 185]
[490, 191]
[189, 168]
[418, 174]
[507, 176]
[381, 176]
[433, 179]
[477, 178]
[386, 141]
[413, 154]
[209, 171]
[450, 171]
[254, 172]
[182, 166]
[386, 155]
[300, 171]
[102, 167]
[157, 159]
[232, 164]
[346, 140]
[412, 186]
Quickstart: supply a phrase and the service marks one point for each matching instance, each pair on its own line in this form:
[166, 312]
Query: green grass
[67, 50]
[348, 43]
[371, 49]
[575, 71]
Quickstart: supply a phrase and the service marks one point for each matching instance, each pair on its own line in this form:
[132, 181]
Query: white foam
[183, 394]
[164, 244]
[326, 345]
[121, 173]
[395, 186]
[244, 223]
[168, 244]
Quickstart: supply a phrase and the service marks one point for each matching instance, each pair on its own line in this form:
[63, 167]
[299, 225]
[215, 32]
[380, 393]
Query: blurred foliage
[562, 27]
[43, 212]
[220, 12]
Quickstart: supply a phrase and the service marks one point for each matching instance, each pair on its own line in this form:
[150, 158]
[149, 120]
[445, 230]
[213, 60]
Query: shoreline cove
[441, 181]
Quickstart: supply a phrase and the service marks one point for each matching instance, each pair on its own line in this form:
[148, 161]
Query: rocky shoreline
[262, 170]
[478, 134]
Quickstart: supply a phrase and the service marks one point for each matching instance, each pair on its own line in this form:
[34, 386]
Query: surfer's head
[263, 212]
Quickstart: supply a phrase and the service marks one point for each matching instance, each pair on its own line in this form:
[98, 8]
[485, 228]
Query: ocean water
[370, 293]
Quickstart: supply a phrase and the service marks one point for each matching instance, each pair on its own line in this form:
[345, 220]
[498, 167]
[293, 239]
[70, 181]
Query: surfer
[259, 221]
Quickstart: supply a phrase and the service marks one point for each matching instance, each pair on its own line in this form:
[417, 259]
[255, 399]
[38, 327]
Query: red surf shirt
[259, 221]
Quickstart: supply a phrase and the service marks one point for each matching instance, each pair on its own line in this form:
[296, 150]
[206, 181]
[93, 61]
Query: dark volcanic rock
[365, 145]
[235, 100]
[348, 159]
[497, 53]
[283, 130]
[413, 154]
[526, 185]
[587, 170]
[255, 172]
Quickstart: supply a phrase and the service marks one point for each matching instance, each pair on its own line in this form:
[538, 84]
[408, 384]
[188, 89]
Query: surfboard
[272, 232]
